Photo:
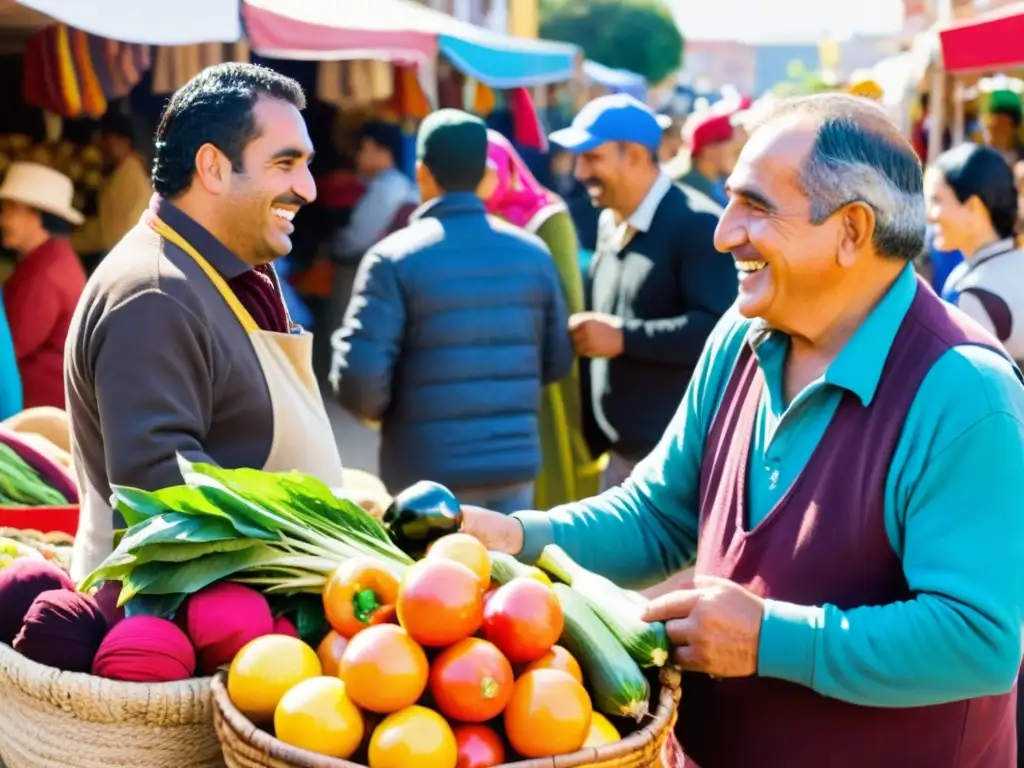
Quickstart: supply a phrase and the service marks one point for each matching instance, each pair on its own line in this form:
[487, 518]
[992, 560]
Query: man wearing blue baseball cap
[657, 284]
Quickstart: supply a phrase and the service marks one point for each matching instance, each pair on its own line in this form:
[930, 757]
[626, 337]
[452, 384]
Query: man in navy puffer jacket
[455, 324]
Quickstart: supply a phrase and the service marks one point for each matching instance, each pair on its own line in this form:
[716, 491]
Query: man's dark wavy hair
[215, 107]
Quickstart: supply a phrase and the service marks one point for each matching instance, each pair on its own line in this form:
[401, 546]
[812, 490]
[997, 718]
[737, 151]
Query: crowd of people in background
[520, 328]
[701, 357]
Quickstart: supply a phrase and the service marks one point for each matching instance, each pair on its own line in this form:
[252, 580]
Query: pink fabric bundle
[221, 619]
[145, 649]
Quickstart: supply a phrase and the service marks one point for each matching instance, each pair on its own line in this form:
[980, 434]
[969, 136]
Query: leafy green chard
[282, 533]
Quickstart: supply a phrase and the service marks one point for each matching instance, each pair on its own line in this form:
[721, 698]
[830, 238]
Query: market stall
[972, 47]
[401, 30]
[329, 637]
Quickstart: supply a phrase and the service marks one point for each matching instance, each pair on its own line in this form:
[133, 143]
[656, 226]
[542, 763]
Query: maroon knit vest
[825, 542]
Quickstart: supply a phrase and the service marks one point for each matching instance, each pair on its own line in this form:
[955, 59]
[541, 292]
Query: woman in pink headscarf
[511, 192]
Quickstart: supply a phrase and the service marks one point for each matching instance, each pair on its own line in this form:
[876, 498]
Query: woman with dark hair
[972, 202]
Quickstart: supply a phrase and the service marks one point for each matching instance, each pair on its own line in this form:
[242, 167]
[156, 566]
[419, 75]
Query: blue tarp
[503, 61]
[616, 80]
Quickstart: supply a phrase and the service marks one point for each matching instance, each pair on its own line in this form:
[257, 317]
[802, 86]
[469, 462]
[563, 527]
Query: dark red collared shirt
[255, 287]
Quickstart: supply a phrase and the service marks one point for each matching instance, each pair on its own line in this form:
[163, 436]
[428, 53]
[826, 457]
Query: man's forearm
[917, 653]
[618, 534]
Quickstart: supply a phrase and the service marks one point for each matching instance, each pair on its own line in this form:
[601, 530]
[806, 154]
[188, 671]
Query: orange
[560, 659]
[317, 715]
[264, 671]
[465, 549]
[549, 714]
[329, 651]
[414, 737]
[384, 670]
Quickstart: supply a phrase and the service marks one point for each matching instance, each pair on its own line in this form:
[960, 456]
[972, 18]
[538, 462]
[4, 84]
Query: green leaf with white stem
[301, 499]
[280, 532]
[186, 501]
[646, 643]
[168, 537]
[136, 505]
[169, 578]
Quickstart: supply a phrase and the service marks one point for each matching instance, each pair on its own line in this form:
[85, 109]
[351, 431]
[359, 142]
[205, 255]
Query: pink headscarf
[519, 197]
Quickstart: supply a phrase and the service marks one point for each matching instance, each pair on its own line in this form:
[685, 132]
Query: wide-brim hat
[42, 188]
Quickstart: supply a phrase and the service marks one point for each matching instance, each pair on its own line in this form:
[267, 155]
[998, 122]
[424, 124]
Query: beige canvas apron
[303, 439]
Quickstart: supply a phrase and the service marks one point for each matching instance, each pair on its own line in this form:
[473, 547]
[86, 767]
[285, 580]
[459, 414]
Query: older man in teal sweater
[845, 470]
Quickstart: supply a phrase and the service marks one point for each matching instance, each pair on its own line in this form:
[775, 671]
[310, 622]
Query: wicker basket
[246, 746]
[54, 719]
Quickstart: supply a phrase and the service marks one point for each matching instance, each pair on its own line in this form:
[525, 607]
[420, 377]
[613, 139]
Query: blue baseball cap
[617, 117]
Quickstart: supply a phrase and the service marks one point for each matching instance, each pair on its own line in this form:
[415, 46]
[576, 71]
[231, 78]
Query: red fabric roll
[145, 649]
[222, 618]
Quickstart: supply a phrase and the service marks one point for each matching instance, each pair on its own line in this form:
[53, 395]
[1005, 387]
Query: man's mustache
[291, 200]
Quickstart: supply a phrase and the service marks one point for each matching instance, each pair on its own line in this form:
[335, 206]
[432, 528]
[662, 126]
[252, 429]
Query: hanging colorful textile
[73, 74]
[408, 99]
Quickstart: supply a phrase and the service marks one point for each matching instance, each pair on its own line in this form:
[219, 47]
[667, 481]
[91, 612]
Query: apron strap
[164, 230]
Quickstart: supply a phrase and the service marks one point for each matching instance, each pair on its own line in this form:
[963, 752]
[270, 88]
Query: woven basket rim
[245, 730]
[43, 678]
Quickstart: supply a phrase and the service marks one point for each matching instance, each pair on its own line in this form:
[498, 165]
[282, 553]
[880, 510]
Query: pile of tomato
[448, 670]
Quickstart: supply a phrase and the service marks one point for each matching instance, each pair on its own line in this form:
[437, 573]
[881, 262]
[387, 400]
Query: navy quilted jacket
[455, 325]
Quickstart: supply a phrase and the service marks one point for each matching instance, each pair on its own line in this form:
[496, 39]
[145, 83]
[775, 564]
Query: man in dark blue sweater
[456, 324]
[657, 284]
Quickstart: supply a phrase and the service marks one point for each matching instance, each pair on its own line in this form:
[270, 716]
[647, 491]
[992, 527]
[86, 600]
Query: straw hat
[42, 188]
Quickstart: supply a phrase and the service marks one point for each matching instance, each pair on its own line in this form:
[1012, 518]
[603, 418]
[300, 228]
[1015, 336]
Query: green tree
[638, 35]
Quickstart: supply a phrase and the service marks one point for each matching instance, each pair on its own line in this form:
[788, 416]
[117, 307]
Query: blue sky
[785, 20]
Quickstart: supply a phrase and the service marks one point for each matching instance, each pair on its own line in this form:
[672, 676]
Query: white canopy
[179, 22]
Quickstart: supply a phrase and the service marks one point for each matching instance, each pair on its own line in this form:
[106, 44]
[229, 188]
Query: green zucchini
[615, 681]
[618, 609]
[504, 568]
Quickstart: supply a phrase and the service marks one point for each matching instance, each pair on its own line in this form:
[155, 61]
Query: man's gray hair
[860, 155]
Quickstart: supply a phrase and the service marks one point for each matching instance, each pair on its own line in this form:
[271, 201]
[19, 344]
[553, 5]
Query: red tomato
[479, 747]
[440, 602]
[523, 618]
[471, 681]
